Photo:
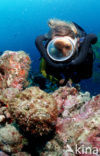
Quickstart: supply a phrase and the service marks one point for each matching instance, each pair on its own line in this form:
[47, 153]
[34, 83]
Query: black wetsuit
[77, 68]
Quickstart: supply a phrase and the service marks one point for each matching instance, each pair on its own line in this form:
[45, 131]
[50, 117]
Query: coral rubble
[34, 110]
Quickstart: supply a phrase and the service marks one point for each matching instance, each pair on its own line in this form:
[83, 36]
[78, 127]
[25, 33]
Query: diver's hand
[61, 82]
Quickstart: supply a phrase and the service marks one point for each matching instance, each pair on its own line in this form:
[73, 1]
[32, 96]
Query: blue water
[22, 20]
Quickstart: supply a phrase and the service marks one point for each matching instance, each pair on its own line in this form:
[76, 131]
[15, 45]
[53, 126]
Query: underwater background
[22, 21]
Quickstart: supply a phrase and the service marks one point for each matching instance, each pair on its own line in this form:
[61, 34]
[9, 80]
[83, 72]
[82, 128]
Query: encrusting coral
[11, 141]
[5, 96]
[14, 67]
[73, 116]
[34, 110]
[78, 124]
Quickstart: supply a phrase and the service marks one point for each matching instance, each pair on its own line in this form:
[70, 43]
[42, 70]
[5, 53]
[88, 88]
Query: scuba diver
[66, 52]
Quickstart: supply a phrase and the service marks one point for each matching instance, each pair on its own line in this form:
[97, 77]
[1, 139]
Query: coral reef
[78, 125]
[10, 139]
[14, 67]
[73, 116]
[69, 98]
[5, 96]
[78, 121]
[34, 110]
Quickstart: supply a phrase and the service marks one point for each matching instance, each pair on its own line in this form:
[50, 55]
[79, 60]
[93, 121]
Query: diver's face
[63, 46]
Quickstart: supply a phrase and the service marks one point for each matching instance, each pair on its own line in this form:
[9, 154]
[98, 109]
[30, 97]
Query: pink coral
[61, 96]
[79, 120]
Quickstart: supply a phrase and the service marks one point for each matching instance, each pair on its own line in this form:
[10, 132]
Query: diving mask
[61, 48]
